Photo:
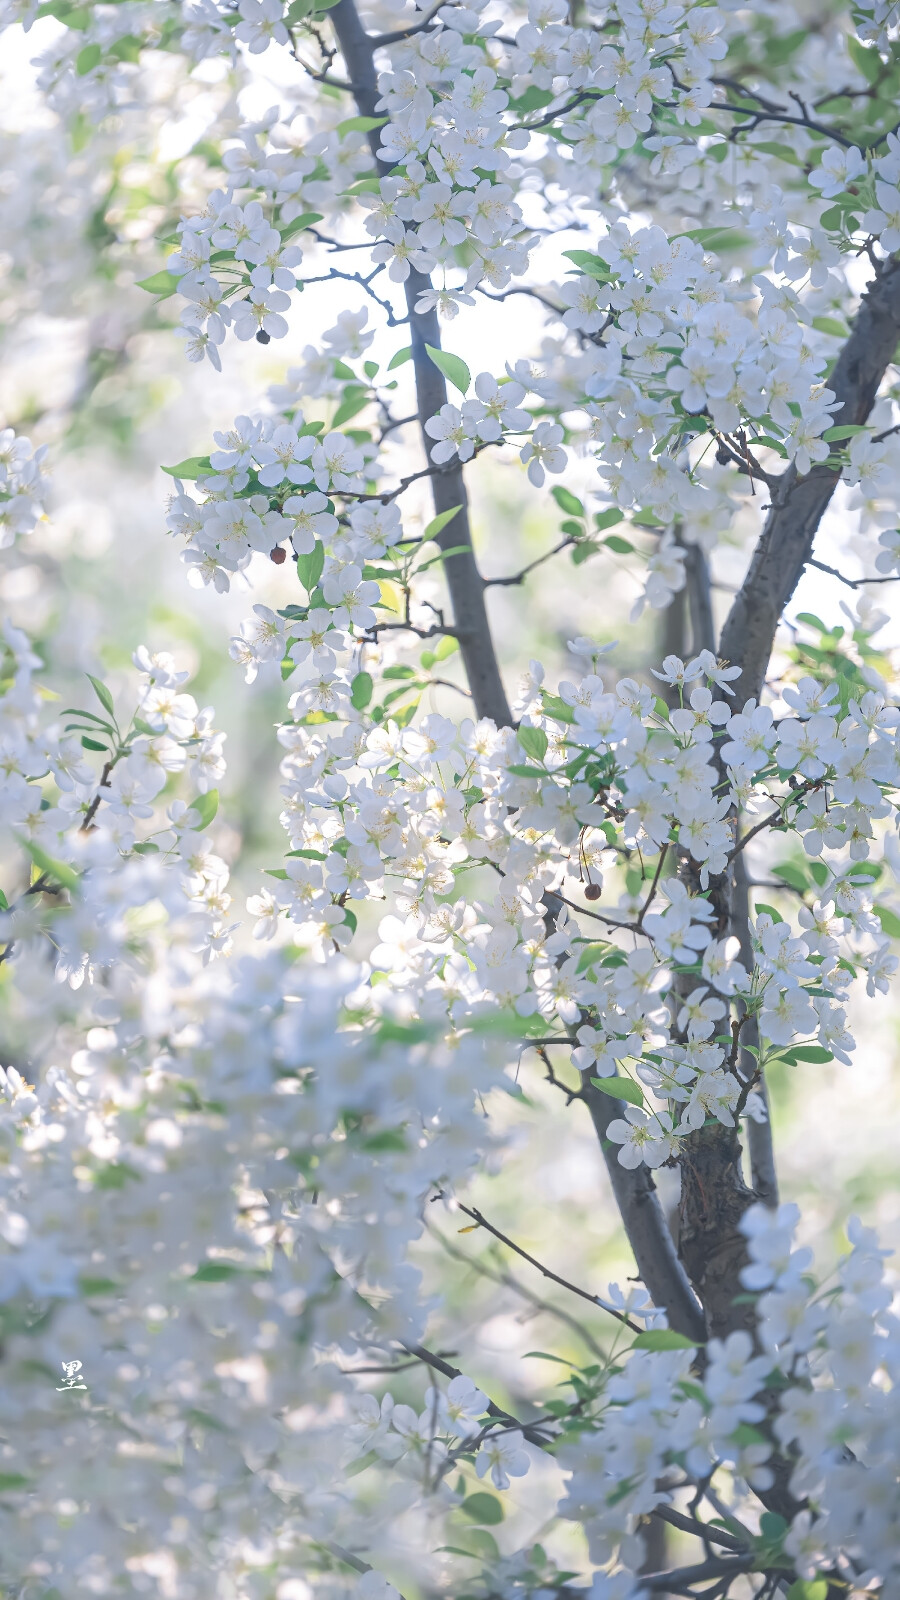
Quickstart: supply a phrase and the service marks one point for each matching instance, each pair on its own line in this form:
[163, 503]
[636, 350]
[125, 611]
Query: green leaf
[216, 1272]
[193, 467]
[890, 922]
[365, 186]
[819, 873]
[830, 325]
[92, 744]
[87, 59]
[162, 284]
[772, 1526]
[594, 266]
[103, 694]
[206, 806]
[361, 690]
[783, 152]
[808, 1589]
[13, 1480]
[607, 519]
[567, 501]
[807, 1052]
[832, 219]
[590, 955]
[771, 444]
[867, 60]
[400, 358]
[309, 567]
[615, 542]
[60, 870]
[146, 847]
[620, 1089]
[439, 522]
[89, 1286]
[554, 707]
[846, 430]
[812, 621]
[716, 238]
[782, 46]
[4, 903]
[453, 368]
[454, 550]
[359, 124]
[350, 407]
[521, 771]
[386, 1139]
[298, 224]
[663, 1339]
[445, 647]
[74, 711]
[114, 1175]
[575, 530]
[534, 742]
[763, 910]
[533, 99]
[483, 1508]
[792, 875]
[583, 551]
[484, 1548]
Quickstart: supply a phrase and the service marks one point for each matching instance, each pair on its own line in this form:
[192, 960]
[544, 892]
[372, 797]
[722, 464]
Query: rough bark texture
[714, 1195]
[470, 622]
[645, 1224]
[703, 628]
[798, 504]
[760, 1144]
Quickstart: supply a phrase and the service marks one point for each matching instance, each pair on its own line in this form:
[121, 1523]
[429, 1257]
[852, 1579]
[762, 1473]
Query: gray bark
[645, 1224]
[714, 1194]
[464, 581]
[798, 504]
[703, 628]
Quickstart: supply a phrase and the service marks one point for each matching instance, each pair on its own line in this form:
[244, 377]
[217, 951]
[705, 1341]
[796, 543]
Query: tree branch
[703, 628]
[546, 1272]
[529, 1430]
[509, 1281]
[786, 543]
[763, 1174]
[683, 1579]
[648, 1233]
[852, 583]
[448, 487]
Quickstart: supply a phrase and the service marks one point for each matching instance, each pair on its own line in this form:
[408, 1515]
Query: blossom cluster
[215, 1189]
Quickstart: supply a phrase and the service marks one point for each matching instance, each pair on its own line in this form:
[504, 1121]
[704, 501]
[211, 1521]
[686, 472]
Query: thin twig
[529, 1430]
[852, 583]
[546, 1272]
[376, 40]
[518, 577]
[509, 1281]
